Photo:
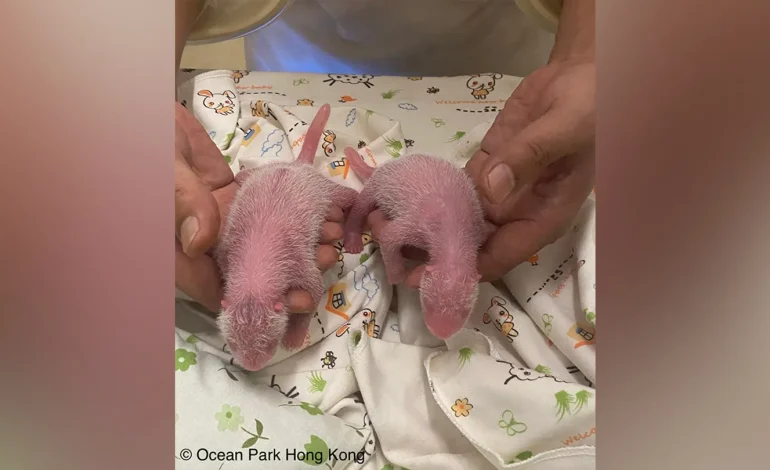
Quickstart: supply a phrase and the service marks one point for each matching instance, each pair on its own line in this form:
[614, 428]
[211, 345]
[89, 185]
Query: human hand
[204, 188]
[535, 166]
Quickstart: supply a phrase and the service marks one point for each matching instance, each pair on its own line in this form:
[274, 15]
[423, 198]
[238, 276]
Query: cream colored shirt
[400, 37]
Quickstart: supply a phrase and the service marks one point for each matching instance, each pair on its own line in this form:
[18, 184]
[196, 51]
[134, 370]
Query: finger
[377, 222]
[415, 277]
[335, 214]
[196, 212]
[511, 245]
[299, 302]
[199, 278]
[331, 232]
[521, 160]
[297, 330]
[326, 257]
[201, 153]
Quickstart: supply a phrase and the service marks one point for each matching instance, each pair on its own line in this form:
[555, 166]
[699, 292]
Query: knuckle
[538, 152]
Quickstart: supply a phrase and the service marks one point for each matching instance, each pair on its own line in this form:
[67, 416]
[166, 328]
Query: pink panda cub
[432, 205]
[268, 247]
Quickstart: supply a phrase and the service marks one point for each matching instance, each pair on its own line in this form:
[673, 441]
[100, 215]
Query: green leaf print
[363, 258]
[590, 316]
[563, 403]
[458, 135]
[390, 94]
[387, 467]
[184, 359]
[229, 418]
[522, 456]
[393, 147]
[317, 451]
[227, 158]
[317, 382]
[581, 400]
[465, 356]
[543, 369]
[254, 437]
[192, 339]
[368, 114]
[311, 409]
[229, 139]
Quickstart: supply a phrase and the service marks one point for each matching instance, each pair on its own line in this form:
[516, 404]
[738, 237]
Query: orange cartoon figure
[371, 327]
[305, 102]
[533, 259]
[259, 109]
[483, 84]
[328, 143]
[221, 103]
[503, 320]
[346, 99]
[239, 74]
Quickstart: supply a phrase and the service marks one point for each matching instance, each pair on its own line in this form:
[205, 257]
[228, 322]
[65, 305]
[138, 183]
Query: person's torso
[400, 37]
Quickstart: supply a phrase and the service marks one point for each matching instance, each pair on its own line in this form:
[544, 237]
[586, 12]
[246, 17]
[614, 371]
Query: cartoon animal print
[483, 84]
[239, 74]
[503, 320]
[346, 99]
[329, 360]
[414, 79]
[305, 102]
[525, 375]
[409, 143]
[221, 103]
[259, 109]
[328, 143]
[533, 259]
[370, 325]
[361, 144]
[350, 79]
[433, 90]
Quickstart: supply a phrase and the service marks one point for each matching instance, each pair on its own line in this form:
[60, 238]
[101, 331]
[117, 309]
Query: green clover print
[465, 356]
[183, 359]
[509, 423]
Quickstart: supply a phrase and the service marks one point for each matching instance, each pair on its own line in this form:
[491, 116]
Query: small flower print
[509, 423]
[461, 407]
[229, 418]
[184, 359]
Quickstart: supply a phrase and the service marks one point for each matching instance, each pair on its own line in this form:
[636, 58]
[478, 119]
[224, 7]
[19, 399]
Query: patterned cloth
[372, 388]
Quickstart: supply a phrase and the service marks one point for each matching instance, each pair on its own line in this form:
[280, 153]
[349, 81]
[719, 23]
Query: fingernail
[187, 232]
[500, 183]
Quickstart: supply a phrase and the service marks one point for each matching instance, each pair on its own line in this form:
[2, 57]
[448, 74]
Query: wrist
[575, 37]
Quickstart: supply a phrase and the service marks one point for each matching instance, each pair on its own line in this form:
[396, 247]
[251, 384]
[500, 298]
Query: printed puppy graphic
[221, 103]
[483, 84]
[328, 143]
[503, 320]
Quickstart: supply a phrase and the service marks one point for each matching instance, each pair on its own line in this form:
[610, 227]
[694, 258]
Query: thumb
[196, 211]
[524, 156]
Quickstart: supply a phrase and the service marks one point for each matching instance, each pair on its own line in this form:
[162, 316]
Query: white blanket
[372, 389]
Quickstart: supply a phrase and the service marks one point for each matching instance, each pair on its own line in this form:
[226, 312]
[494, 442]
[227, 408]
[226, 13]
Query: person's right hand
[204, 188]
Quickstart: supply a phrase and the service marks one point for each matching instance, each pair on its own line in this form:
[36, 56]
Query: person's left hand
[534, 169]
